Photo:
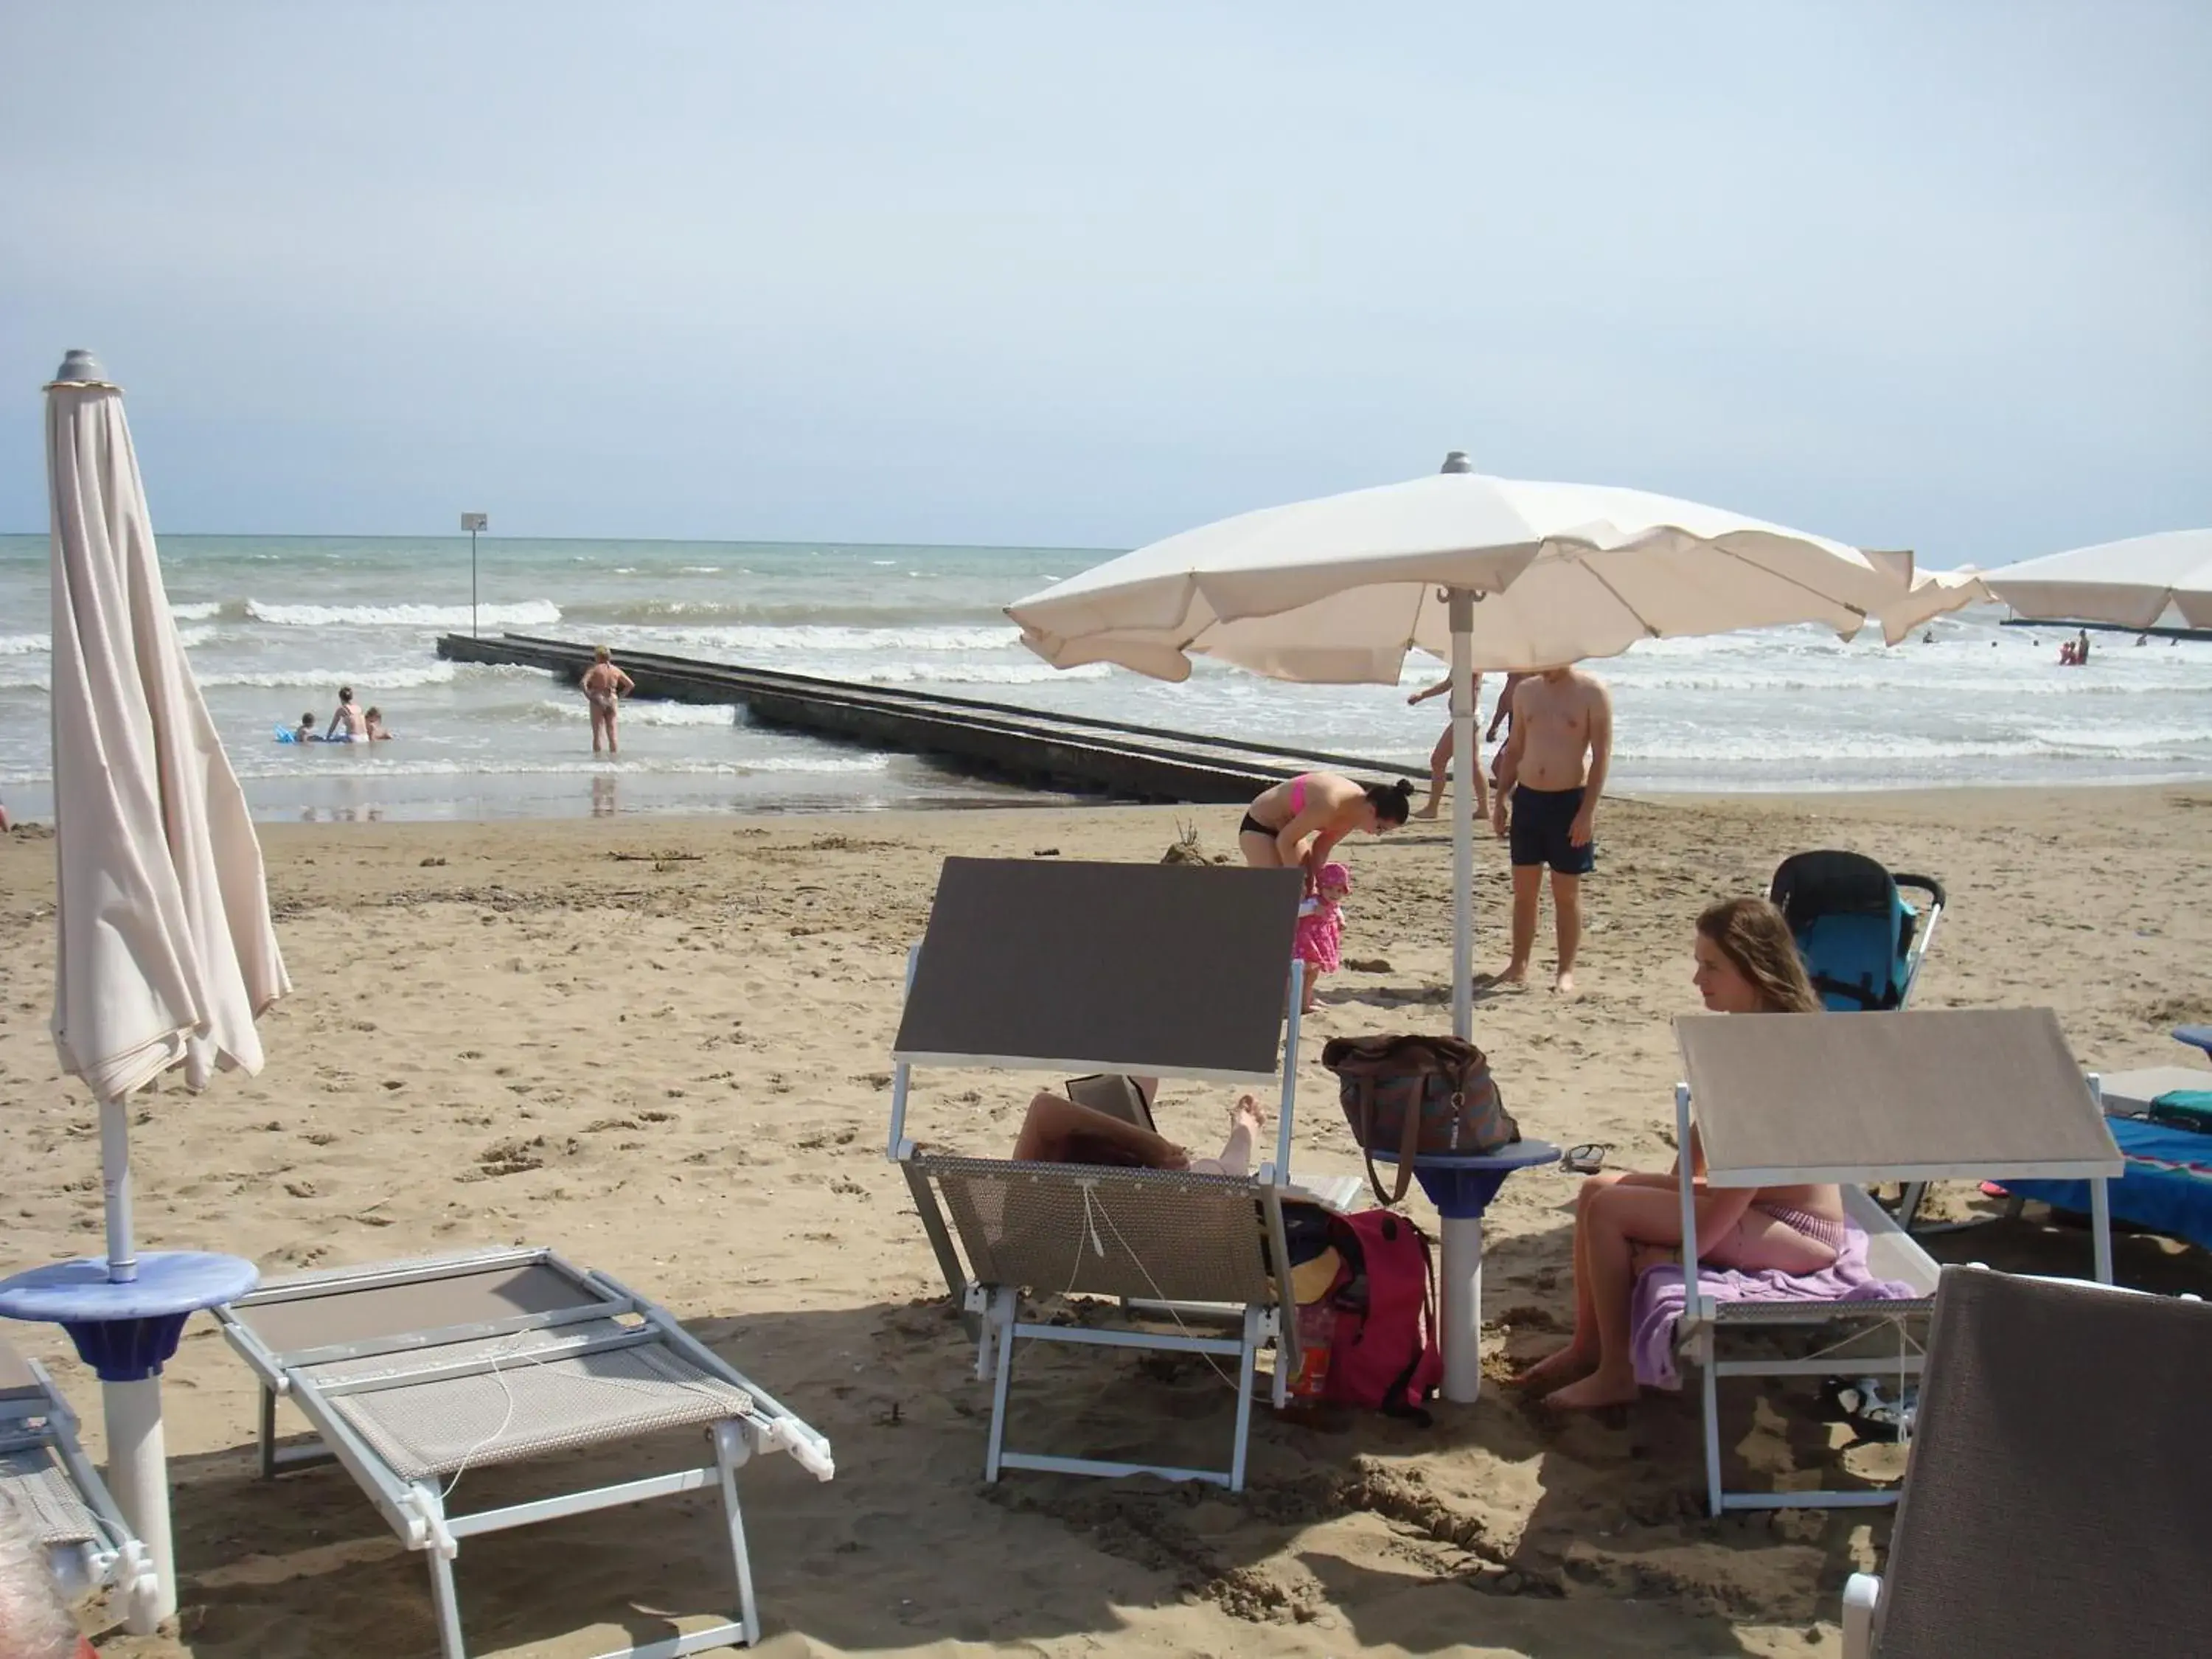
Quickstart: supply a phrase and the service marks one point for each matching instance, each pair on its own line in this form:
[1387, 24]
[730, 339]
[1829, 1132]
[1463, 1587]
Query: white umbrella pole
[1464, 760]
[137, 1458]
[115, 1179]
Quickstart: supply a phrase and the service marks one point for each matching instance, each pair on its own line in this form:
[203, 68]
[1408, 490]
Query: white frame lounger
[2049, 1402]
[1148, 969]
[67, 1505]
[1785, 1099]
[572, 1333]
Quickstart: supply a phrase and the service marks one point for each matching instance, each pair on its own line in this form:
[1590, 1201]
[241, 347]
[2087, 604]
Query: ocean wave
[198, 610]
[21, 645]
[316, 682]
[844, 641]
[861, 611]
[529, 613]
[922, 673]
[644, 713]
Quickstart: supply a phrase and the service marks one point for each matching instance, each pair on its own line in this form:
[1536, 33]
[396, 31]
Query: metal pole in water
[473, 522]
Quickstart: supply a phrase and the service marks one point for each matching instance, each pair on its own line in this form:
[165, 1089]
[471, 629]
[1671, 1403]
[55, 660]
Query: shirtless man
[350, 716]
[1553, 771]
[605, 686]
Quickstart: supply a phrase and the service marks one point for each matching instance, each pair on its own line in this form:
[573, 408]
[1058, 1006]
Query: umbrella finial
[80, 368]
[1456, 462]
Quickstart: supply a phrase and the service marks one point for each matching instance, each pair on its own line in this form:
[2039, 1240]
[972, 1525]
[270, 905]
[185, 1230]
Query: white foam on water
[530, 613]
[18, 645]
[981, 673]
[646, 713]
[198, 612]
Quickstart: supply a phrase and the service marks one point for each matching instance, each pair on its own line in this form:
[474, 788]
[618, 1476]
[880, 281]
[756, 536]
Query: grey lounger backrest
[1158, 968]
[2059, 1497]
[1979, 1093]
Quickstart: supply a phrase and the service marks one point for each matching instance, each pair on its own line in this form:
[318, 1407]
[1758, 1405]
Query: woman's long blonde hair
[1753, 935]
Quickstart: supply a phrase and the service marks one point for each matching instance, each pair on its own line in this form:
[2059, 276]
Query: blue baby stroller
[1863, 945]
[1861, 942]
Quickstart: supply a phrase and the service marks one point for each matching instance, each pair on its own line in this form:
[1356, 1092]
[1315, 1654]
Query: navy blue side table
[1460, 1185]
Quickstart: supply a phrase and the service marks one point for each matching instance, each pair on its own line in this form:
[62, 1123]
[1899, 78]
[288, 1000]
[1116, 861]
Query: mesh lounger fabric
[1077, 1229]
[42, 1494]
[543, 1397]
[2058, 1501]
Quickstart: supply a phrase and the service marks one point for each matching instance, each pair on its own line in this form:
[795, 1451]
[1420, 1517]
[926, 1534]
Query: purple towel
[1657, 1303]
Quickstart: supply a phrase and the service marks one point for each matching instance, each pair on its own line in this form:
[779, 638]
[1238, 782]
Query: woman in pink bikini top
[1298, 823]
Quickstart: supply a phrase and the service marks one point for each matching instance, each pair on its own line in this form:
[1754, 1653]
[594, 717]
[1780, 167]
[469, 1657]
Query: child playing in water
[305, 731]
[1321, 930]
[374, 721]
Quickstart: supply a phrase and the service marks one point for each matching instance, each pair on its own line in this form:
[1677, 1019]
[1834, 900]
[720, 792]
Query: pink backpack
[1383, 1352]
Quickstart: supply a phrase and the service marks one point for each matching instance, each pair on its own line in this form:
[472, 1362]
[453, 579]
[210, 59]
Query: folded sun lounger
[1179, 973]
[412, 1373]
[2059, 1498]
[45, 1473]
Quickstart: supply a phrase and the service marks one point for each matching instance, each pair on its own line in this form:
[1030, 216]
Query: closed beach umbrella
[2129, 584]
[1490, 573]
[166, 955]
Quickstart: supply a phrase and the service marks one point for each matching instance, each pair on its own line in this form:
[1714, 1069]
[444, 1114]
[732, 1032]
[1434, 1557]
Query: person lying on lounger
[1058, 1131]
[1748, 963]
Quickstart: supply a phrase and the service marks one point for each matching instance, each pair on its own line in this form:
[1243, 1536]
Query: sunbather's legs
[1058, 1131]
[1617, 1223]
[1580, 1356]
[1236, 1157]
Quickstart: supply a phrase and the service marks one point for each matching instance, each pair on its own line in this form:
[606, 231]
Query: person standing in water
[1552, 771]
[1296, 824]
[1440, 756]
[605, 686]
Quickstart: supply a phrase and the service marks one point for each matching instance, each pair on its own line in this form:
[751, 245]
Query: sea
[274, 625]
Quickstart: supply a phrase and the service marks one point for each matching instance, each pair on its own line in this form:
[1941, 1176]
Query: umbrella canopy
[1933, 593]
[1337, 589]
[1492, 573]
[165, 953]
[2129, 584]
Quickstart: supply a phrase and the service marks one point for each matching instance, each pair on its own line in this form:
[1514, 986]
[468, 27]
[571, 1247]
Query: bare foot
[1248, 1114]
[1595, 1392]
[1517, 973]
[1428, 811]
[1564, 983]
[1561, 1366]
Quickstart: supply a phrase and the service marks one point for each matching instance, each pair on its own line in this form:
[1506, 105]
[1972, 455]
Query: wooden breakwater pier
[989, 739]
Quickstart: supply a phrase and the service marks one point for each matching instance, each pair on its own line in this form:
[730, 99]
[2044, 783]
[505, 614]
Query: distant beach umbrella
[165, 953]
[1488, 573]
[2129, 584]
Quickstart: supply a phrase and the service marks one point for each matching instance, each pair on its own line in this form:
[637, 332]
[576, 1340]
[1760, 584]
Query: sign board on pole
[476, 521]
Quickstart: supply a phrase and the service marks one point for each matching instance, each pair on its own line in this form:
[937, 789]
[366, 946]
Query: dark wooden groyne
[990, 739]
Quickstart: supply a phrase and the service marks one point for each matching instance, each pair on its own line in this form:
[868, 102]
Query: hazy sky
[1927, 273]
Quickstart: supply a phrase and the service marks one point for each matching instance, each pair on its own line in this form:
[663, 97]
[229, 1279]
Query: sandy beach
[662, 1046]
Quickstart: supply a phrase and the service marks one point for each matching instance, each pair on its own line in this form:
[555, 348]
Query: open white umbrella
[2129, 584]
[1490, 573]
[166, 954]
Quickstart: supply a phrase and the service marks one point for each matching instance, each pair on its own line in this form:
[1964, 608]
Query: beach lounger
[411, 1373]
[2058, 1497]
[44, 1474]
[1784, 1099]
[1181, 972]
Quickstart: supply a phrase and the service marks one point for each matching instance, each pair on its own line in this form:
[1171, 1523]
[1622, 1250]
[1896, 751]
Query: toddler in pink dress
[1321, 930]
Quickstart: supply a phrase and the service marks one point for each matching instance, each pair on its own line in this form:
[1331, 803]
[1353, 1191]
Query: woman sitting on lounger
[1748, 963]
[1058, 1131]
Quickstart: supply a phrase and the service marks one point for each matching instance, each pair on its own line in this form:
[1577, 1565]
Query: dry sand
[661, 1047]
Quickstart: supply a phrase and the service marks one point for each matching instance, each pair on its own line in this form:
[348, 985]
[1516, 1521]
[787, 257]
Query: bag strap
[1395, 1403]
[1406, 1157]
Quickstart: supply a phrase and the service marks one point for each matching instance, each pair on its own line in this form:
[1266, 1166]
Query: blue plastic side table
[1461, 1186]
[127, 1332]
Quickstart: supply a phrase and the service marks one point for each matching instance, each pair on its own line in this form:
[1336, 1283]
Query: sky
[1936, 277]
